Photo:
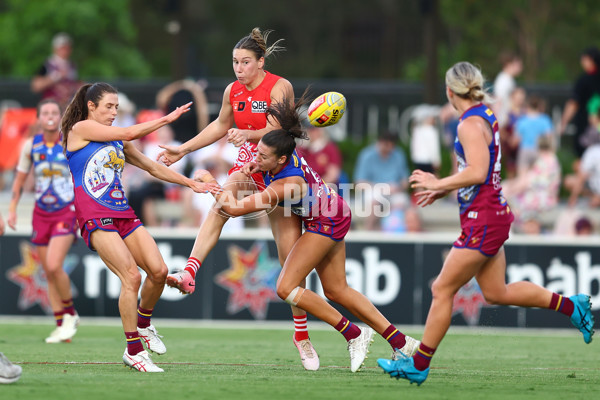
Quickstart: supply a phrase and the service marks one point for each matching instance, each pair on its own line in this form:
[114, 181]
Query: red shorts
[123, 226]
[488, 239]
[46, 224]
[257, 178]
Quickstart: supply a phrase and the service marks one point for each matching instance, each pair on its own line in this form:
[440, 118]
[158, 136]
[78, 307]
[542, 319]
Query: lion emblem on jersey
[115, 162]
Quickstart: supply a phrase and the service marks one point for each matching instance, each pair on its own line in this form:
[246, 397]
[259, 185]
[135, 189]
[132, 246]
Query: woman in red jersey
[292, 184]
[245, 102]
[485, 219]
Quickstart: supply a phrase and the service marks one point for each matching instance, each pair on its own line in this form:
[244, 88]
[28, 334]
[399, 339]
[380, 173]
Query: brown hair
[44, 102]
[283, 140]
[256, 42]
[77, 109]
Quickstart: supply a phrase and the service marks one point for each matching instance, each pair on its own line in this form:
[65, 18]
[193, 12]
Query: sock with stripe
[134, 343]
[192, 266]
[348, 329]
[68, 306]
[395, 338]
[561, 304]
[58, 317]
[422, 357]
[300, 327]
[144, 316]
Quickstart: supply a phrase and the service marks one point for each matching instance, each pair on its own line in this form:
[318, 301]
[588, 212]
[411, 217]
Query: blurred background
[387, 57]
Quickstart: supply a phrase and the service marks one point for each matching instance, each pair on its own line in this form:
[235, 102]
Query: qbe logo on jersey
[259, 107]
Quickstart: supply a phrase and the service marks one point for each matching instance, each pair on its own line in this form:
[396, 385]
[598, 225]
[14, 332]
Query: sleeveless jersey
[483, 204]
[249, 112]
[319, 201]
[53, 182]
[97, 170]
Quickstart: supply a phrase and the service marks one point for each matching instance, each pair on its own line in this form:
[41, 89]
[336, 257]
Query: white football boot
[9, 372]
[308, 354]
[141, 362]
[408, 350]
[69, 327]
[152, 339]
[359, 348]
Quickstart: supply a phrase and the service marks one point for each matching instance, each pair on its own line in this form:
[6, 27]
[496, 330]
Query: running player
[97, 152]
[245, 102]
[292, 184]
[485, 219]
[54, 223]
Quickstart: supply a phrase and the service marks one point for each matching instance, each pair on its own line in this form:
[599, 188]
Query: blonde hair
[256, 42]
[467, 82]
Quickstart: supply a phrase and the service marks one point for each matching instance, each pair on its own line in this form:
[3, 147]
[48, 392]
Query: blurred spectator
[586, 181]
[181, 92]
[528, 129]
[586, 87]
[509, 145]
[125, 113]
[504, 84]
[536, 191]
[146, 189]
[322, 154]
[425, 140]
[381, 172]
[584, 227]
[57, 78]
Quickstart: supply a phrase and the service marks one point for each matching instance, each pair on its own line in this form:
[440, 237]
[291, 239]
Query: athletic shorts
[334, 227]
[123, 226]
[488, 239]
[47, 225]
[257, 178]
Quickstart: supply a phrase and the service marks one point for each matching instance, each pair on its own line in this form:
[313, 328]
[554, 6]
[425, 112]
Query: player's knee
[290, 295]
[159, 275]
[332, 294]
[493, 298]
[132, 279]
[441, 290]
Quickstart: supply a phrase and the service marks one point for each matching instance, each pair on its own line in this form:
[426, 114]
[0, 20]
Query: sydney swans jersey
[249, 112]
[97, 170]
[483, 204]
[53, 182]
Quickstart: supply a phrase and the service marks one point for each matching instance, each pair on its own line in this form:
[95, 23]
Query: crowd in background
[377, 185]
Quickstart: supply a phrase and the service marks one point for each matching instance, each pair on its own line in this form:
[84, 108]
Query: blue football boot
[403, 368]
[582, 317]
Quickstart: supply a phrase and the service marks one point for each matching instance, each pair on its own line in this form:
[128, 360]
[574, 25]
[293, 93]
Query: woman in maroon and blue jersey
[293, 185]
[485, 219]
[54, 223]
[97, 153]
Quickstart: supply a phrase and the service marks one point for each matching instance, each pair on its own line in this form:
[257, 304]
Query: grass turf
[260, 363]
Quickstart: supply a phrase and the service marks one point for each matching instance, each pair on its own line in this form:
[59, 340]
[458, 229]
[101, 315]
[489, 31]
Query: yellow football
[327, 109]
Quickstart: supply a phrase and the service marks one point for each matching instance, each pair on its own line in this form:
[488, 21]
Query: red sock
[348, 329]
[144, 317]
[300, 327]
[561, 304]
[134, 343]
[192, 266]
[422, 357]
[58, 317]
[395, 338]
[68, 306]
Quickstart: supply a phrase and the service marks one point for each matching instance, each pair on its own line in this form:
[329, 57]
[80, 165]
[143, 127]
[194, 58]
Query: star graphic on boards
[251, 280]
[469, 301]
[30, 276]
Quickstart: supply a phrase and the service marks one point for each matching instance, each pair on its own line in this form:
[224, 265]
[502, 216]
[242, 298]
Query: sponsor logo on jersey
[239, 106]
[472, 214]
[259, 107]
[238, 93]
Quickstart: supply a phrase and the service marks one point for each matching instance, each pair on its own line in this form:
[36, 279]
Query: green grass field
[258, 363]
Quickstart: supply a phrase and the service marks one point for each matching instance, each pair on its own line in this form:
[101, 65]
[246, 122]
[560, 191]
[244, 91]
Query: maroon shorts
[46, 224]
[123, 226]
[335, 224]
[488, 239]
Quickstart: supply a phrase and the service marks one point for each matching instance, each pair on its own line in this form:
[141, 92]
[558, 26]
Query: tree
[103, 34]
